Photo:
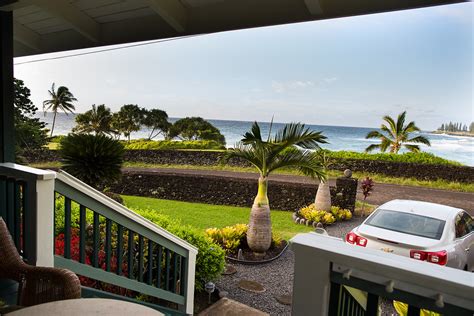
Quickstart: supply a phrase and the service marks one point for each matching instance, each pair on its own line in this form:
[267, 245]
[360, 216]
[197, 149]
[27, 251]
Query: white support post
[45, 220]
[191, 275]
[311, 282]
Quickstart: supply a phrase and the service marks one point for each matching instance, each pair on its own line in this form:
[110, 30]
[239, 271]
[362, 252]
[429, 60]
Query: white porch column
[45, 219]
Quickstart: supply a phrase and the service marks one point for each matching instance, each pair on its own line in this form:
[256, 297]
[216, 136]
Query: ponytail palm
[394, 135]
[267, 156]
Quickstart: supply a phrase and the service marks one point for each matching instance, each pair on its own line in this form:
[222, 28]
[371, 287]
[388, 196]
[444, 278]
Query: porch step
[228, 307]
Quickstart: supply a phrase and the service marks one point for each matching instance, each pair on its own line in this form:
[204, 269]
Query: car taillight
[438, 257]
[354, 239]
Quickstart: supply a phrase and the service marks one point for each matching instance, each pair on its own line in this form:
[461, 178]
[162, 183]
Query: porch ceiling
[43, 26]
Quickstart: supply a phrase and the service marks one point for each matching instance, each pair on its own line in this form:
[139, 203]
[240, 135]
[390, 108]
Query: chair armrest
[41, 284]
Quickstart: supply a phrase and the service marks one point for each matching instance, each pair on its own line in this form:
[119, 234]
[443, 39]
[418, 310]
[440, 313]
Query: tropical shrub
[231, 238]
[210, 260]
[94, 159]
[312, 214]
[140, 144]
[409, 157]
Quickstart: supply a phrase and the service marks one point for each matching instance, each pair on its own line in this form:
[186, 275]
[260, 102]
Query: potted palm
[283, 150]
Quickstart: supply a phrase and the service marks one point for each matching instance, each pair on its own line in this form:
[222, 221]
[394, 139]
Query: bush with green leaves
[410, 157]
[210, 259]
[312, 214]
[94, 159]
[231, 238]
[140, 144]
[30, 132]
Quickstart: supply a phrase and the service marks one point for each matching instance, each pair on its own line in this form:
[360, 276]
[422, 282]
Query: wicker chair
[37, 285]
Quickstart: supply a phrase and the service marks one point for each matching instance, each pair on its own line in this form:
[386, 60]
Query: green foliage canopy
[127, 120]
[195, 128]
[98, 120]
[157, 121]
[30, 132]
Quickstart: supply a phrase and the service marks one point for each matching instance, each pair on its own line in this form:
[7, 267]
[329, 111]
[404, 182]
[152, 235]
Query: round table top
[87, 306]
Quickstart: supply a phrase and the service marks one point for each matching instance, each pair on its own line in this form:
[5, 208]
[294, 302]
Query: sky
[347, 71]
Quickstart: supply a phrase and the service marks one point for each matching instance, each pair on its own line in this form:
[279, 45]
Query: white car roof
[434, 210]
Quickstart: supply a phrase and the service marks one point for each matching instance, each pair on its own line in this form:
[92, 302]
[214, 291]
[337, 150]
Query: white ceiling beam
[172, 11]
[314, 7]
[79, 21]
[26, 36]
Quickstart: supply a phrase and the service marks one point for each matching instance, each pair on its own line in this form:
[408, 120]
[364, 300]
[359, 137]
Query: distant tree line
[131, 118]
[456, 127]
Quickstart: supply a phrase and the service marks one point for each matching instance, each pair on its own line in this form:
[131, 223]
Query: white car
[424, 231]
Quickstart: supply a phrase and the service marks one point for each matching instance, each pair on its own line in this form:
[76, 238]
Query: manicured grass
[202, 216]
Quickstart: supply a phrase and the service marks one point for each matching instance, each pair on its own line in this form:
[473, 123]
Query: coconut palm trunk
[323, 197]
[259, 235]
[54, 122]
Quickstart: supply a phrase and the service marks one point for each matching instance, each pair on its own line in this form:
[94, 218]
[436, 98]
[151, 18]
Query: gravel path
[276, 277]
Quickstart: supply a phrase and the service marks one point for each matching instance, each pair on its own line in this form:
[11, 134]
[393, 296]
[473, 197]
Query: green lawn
[202, 216]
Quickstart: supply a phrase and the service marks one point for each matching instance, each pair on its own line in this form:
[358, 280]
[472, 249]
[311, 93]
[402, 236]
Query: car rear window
[408, 223]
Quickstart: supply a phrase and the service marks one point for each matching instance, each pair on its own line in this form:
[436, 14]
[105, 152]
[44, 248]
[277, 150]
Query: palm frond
[303, 161]
[412, 148]
[374, 134]
[245, 152]
[254, 136]
[372, 147]
[410, 128]
[389, 132]
[420, 140]
[391, 123]
[385, 144]
[298, 134]
[401, 122]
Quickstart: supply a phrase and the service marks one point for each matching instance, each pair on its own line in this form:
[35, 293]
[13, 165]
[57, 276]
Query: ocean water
[457, 148]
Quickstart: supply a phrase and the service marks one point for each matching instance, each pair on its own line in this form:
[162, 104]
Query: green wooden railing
[343, 303]
[117, 250]
[18, 207]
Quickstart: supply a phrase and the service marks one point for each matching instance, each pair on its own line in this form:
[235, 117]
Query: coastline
[453, 133]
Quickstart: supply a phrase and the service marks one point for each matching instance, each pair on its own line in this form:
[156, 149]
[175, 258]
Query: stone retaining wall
[211, 158]
[230, 191]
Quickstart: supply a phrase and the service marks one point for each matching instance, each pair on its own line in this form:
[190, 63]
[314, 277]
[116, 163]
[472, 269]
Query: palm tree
[322, 200]
[279, 151]
[97, 120]
[394, 135]
[61, 99]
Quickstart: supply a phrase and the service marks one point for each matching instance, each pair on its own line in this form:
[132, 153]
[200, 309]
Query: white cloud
[330, 80]
[284, 86]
